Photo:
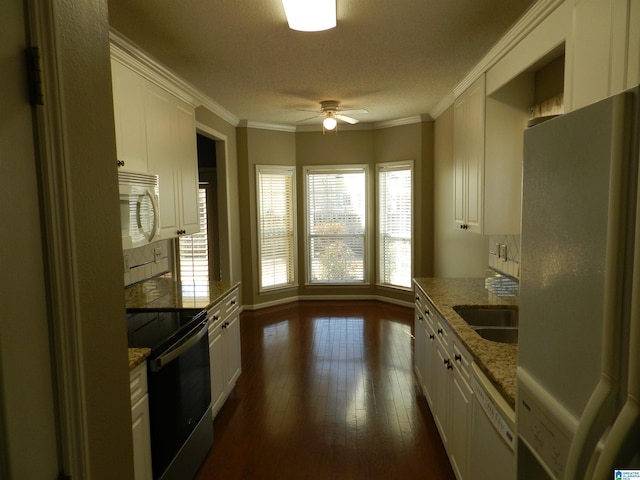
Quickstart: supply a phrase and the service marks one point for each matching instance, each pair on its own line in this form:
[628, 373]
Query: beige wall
[91, 157]
[347, 147]
[257, 147]
[456, 253]
[85, 169]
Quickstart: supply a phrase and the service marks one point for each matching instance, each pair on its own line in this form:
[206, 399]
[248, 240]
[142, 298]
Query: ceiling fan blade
[305, 110]
[310, 118]
[354, 110]
[344, 118]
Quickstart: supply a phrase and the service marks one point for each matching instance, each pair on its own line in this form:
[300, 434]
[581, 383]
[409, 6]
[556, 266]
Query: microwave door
[147, 216]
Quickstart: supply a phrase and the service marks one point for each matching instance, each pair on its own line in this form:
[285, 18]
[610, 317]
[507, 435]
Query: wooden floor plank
[327, 391]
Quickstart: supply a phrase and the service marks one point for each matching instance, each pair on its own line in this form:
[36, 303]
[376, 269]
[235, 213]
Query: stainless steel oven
[179, 387]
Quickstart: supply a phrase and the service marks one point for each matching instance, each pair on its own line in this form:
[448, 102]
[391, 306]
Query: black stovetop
[156, 328]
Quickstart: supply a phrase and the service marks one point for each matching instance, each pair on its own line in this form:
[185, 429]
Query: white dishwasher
[492, 433]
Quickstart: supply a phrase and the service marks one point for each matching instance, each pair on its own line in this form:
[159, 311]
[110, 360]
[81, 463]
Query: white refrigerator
[579, 338]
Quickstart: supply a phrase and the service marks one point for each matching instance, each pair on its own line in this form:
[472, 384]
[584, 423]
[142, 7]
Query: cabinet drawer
[215, 315]
[442, 332]
[462, 360]
[138, 382]
[231, 303]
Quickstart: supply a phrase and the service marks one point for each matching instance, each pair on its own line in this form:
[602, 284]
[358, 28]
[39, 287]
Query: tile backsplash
[146, 262]
[504, 254]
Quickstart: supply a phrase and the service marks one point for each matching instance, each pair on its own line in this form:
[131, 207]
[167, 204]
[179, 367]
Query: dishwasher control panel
[494, 414]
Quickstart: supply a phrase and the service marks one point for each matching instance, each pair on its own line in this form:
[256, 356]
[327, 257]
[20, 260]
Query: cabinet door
[141, 439]
[217, 366]
[459, 160]
[418, 346]
[442, 396]
[468, 156]
[161, 151]
[234, 354]
[475, 120]
[461, 410]
[186, 162]
[129, 115]
[430, 365]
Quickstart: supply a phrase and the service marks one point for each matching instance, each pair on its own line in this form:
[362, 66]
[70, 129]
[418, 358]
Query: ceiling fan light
[310, 15]
[329, 123]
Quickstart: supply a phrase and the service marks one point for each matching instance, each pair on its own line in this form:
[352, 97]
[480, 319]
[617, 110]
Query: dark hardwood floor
[327, 391]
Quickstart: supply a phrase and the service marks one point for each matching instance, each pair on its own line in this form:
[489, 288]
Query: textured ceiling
[397, 59]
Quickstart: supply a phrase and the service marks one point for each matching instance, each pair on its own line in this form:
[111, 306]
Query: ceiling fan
[331, 111]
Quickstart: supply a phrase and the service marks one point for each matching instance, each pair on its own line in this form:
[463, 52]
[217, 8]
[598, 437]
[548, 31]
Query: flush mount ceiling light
[330, 122]
[310, 15]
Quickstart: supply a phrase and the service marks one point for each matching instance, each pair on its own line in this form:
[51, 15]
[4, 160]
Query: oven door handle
[178, 348]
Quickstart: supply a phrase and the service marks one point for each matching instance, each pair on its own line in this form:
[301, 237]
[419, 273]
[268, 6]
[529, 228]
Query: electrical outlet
[157, 254]
[503, 253]
[126, 263]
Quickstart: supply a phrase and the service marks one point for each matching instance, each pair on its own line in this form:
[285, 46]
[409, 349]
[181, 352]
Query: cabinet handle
[181, 232]
[449, 366]
[432, 336]
[440, 331]
[427, 312]
[121, 163]
[215, 317]
[233, 302]
[464, 226]
[447, 361]
[420, 319]
[417, 298]
[458, 357]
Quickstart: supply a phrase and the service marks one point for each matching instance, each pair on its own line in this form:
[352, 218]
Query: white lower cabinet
[445, 369]
[224, 348]
[140, 423]
[419, 348]
[461, 412]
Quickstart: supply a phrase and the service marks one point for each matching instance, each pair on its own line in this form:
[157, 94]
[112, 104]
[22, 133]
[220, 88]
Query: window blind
[276, 225]
[194, 249]
[336, 210]
[395, 224]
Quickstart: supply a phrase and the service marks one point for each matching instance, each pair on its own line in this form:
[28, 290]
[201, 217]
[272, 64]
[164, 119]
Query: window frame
[290, 171]
[328, 169]
[391, 166]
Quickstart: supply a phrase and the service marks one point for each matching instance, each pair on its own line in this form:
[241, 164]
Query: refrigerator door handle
[593, 422]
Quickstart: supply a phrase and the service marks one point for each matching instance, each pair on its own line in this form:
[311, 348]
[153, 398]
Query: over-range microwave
[139, 214]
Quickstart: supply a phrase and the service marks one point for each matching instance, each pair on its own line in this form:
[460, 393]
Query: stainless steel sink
[488, 316]
[499, 334]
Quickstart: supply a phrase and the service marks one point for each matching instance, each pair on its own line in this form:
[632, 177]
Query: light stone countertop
[165, 292]
[497, 360]
[137, 356]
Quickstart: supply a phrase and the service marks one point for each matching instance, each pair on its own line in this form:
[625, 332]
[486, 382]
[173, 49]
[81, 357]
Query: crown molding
[266, 126]
[399, 122]
[525, 24]
[129, 54]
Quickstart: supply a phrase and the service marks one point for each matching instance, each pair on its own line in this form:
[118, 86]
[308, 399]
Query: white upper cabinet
[171, 146]
[156, 133]
[468, 156]
[603, 50]
[128, 104]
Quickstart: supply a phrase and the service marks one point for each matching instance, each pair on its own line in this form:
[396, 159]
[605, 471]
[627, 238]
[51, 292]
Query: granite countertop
[137, 356]
[497, 360]
[166, 292]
